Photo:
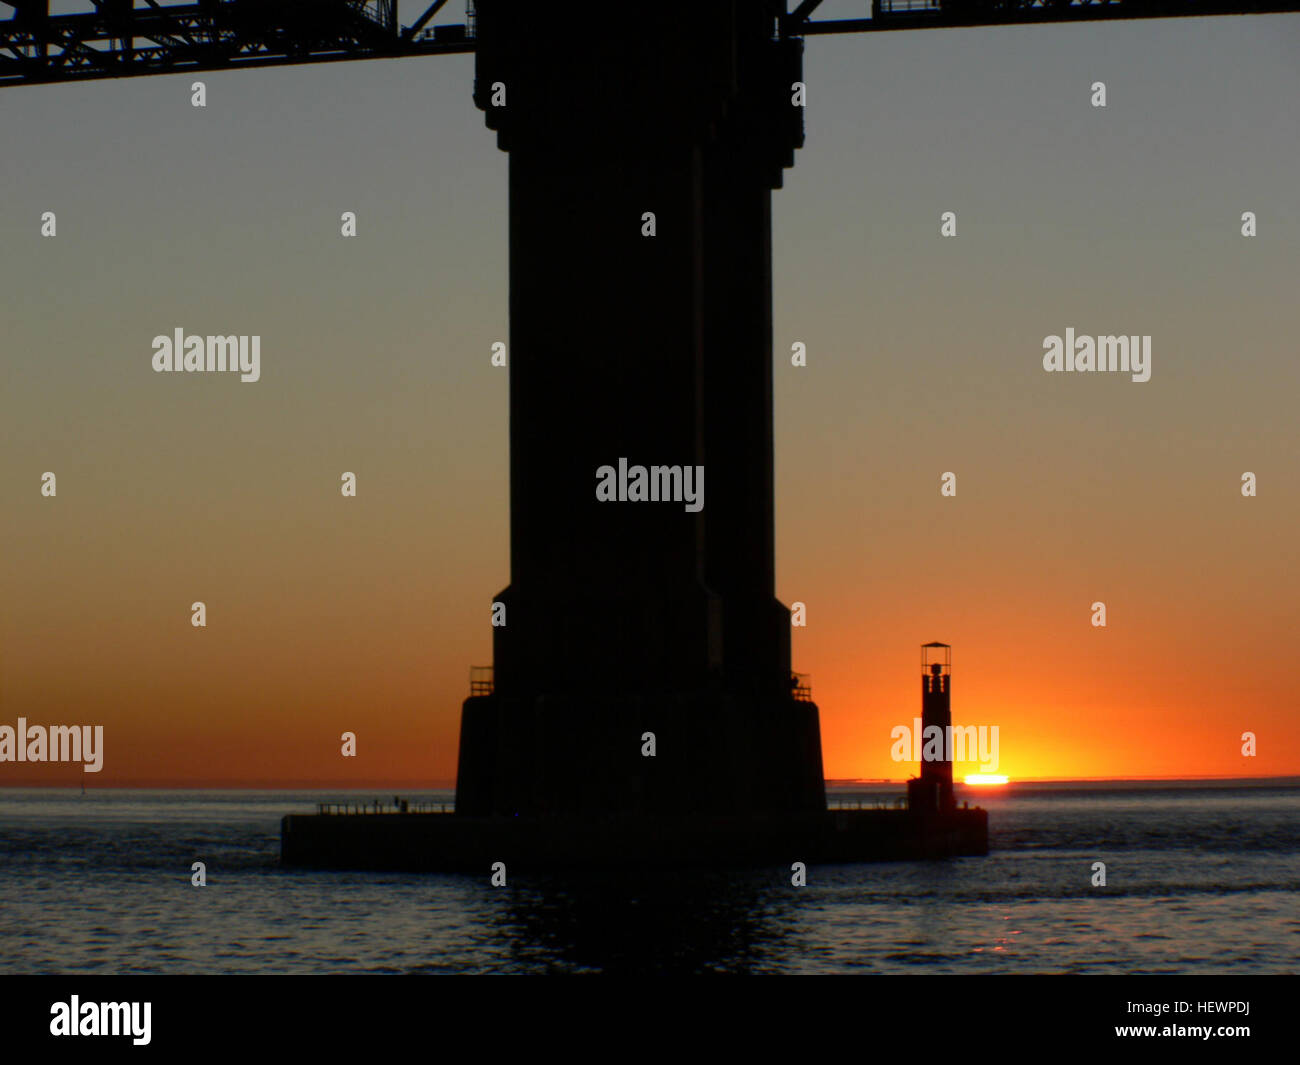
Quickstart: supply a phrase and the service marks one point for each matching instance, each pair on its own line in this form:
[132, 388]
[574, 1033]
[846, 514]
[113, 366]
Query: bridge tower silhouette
[653, 347]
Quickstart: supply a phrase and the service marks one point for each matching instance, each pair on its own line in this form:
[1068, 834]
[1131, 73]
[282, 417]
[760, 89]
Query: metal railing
[883, 803]
[894, 7]
[972, 7]
[398, 806]
[481, 680]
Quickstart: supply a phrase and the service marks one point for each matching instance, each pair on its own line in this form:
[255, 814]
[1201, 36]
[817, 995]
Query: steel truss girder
[936, 14]
[119, 40]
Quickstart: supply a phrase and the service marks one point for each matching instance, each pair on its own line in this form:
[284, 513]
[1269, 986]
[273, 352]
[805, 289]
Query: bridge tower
[643, 153]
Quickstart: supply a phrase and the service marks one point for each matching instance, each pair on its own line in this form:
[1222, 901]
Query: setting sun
[986, 778]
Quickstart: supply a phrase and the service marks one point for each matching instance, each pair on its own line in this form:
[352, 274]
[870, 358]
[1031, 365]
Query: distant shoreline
[835, 786]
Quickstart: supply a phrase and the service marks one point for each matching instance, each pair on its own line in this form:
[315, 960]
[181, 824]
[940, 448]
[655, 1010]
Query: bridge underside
[121, 38]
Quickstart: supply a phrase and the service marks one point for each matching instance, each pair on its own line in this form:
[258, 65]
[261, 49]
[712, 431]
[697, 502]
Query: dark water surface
[1198, 880]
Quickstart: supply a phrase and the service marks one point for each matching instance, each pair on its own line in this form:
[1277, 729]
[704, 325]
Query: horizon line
[1293, 779]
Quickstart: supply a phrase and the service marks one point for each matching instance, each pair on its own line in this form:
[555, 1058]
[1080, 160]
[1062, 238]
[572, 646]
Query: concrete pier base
[431, 842]
[714, 753]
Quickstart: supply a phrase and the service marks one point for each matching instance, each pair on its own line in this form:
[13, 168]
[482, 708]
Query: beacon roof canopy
[936, 654]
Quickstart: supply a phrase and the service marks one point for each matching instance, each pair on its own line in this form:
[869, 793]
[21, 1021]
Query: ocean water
[1199, 880]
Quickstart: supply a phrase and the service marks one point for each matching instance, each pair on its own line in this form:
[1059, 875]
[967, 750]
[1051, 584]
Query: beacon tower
[931, 792]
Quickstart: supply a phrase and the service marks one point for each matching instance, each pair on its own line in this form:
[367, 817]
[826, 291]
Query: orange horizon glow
[364, 614]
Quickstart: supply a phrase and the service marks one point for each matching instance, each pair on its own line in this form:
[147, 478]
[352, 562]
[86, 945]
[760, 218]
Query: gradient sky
[924, 356]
